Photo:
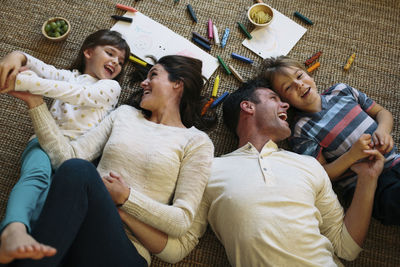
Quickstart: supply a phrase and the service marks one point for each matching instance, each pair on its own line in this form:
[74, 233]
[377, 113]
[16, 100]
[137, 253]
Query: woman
[154, 167]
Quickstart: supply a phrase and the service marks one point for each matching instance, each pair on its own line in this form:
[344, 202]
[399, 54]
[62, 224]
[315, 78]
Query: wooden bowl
[257, 11]
[63, 36]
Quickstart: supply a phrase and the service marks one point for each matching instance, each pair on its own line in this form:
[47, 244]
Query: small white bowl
[260, 7]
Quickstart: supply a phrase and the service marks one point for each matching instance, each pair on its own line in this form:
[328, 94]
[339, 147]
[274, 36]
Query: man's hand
[369, 168]
[117, 187]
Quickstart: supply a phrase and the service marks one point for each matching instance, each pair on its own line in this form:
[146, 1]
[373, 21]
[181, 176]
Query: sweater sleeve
[175, 219]
[333, 226]
[178, 248]
[47, 71]
[60, 148]
[100, 94]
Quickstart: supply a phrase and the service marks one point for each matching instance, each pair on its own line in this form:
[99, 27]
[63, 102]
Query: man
[271, 207]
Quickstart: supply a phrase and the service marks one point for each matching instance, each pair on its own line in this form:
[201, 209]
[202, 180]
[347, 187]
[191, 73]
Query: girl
[155, 166]
[83, 97]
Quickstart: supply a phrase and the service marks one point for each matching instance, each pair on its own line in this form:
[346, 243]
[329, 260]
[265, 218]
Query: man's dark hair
[231, 106]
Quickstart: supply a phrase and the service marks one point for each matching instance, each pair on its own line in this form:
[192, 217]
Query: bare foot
[16, 243]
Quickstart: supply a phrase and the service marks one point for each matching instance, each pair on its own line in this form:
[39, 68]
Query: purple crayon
[242, 58]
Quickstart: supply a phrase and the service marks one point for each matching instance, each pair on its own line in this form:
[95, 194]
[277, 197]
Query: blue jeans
[28, 195]
[81, 221]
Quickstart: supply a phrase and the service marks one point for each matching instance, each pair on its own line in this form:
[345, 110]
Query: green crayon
[224, 65]
[244, 30]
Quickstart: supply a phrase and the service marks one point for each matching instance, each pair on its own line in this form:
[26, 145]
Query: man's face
[271, 115]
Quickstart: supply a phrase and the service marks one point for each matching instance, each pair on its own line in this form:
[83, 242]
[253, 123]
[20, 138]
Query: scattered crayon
[215, 87]
[198, 36]
[242, 58]
[206, 106]
[191, 12]
[176, 1]
[138, 61]
[304, 18]
[201, 43]
[313, 58]
[126, 8]
[225, 37]
[121, 18]
[349, 61]
[216, 36]
[313, 67]
[236, 74]
[219, 100]
[210, 29]
[224, 65]
[244, 30]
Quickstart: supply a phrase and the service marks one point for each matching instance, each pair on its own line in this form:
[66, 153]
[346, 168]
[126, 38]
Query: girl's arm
[103, 93]
[47, 71]
[175, 219]
[382, 137]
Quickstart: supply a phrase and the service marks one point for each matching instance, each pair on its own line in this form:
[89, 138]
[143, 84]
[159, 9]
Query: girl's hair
[277, 65]
[187, 70]
[100, 38]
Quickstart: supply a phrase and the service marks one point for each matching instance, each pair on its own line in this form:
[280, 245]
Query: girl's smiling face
[104, 61]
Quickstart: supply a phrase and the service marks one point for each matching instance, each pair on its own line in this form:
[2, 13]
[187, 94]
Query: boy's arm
[339, 166]
[382, 137]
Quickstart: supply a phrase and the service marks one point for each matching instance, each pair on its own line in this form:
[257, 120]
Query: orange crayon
[313, 67]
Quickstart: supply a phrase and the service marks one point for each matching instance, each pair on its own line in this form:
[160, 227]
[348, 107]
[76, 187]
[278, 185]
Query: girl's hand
[9, 68]
[383, 141]
[117, 187]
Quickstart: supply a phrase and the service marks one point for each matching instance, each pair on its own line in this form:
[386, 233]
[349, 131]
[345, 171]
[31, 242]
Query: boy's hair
[231, 105]
[100, 38]
[277, 65]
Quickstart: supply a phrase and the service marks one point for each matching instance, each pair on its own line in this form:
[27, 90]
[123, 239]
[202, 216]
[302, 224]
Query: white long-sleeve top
[81, 101]
[273, 208]
[166, 167]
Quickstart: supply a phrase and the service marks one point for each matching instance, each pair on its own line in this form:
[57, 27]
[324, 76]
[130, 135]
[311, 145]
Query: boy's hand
[383, 141]
[9, 67]
[357, 150]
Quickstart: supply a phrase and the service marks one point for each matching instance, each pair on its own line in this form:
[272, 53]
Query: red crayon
[126, 8]
[313, 58]
[210, 29]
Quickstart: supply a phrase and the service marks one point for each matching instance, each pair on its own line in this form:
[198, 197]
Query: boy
[337, 127]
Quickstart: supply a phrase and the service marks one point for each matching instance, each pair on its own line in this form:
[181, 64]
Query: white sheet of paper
[148, 37]
[276, 39]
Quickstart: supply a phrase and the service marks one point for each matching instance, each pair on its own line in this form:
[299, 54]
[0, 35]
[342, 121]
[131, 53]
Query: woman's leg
[25, 203]
[81, 221]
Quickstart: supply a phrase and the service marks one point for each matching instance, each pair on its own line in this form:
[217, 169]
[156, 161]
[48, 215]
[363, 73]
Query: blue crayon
[219, 100]
[201, 43]
[192, 14]
[304, 18]
[225, 37]
[242, 58]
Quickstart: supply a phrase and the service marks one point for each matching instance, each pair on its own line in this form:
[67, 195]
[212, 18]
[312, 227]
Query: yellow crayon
[138, 61]
[313, 67]
[215, 87]
[349, 61]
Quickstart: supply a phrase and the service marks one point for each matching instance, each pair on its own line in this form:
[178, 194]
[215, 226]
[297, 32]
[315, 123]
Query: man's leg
[81, 221]
[25, 203]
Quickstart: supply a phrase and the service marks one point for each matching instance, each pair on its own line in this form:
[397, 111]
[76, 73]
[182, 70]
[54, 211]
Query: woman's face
[158, 90]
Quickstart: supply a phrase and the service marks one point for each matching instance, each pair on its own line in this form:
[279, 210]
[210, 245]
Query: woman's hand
[31, 100]
[117, 187]
[9, 68]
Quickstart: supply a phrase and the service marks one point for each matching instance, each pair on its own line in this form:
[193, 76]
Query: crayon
[304, 18]
[206, 106]
[236, 74]
[210, 29]
[244, 30]
[215, 87]
[313, 67]
[201, 43]
[224, 65]
[126, 8]
[219, 100]
[225, 37]
[349, 61]
[198, 36]
[138, 61]
[216, 36]
[176, 1]
[121, 18]
[242, 58]
[313, 58]
[191, 12]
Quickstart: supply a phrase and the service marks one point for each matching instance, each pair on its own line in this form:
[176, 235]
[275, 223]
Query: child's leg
[29, 193]
[387, 197]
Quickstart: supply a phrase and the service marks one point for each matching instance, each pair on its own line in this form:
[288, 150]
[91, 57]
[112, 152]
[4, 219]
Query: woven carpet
[369, 28]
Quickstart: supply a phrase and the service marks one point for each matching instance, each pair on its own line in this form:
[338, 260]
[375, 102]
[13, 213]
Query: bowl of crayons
[260, 14]
[56, 29]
